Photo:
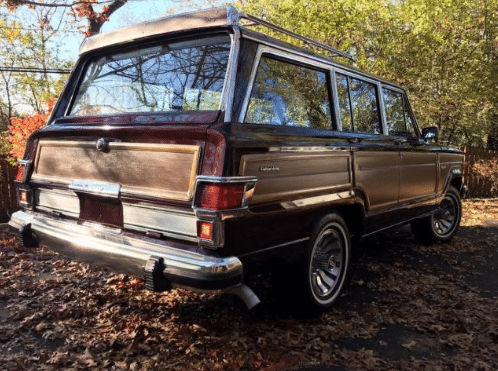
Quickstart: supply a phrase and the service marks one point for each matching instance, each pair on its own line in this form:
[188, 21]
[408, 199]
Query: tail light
[205, 230]
[218, 198]
[22, 170]
[221, 196]
[24, 167]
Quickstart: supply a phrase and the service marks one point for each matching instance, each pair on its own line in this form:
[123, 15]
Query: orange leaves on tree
[21, 128]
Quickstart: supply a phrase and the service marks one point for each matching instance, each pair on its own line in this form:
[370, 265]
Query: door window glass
[395, 112]
[410, 122]
[364, 106]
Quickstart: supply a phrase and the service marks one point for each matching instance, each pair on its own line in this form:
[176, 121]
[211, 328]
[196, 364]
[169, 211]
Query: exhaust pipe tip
[248, 296]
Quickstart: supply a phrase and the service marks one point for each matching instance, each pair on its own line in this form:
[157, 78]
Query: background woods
[445, 54]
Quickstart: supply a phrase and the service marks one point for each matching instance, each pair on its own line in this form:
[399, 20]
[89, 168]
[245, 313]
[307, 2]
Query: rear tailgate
[144, 185]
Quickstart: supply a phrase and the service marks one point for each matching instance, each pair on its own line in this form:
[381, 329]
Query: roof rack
[224, 16]
[260, 22]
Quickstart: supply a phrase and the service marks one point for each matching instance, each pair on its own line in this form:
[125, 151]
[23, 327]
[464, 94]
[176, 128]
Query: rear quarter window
[290, 95]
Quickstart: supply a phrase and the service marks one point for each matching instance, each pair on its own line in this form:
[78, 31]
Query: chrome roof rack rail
[260, 22]
[214, 17]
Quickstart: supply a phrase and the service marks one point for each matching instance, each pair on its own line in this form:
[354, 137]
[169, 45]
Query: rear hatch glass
[167, 77]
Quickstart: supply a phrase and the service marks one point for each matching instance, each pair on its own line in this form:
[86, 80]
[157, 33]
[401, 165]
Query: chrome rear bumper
[182, 266]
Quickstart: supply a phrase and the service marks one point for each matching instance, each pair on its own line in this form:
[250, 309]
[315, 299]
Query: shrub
[21, 128]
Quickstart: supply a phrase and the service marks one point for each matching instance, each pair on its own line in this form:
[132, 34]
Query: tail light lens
[221, 196]
[22, 167]
[205, 230]
[20, 172]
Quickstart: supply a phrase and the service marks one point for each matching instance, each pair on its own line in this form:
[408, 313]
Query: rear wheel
[327, 263]
[443, 224]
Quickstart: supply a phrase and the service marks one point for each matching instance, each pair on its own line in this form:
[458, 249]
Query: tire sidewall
[337, 223]
[453, 193]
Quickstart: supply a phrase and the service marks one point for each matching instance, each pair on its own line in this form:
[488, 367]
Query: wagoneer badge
[102, 144]
[265, 169]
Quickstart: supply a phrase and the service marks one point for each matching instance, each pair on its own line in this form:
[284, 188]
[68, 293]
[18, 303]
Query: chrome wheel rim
[327, 264]
[446, 217]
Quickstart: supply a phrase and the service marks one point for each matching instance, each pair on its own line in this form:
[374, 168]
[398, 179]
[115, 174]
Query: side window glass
[410, 122]
[287, 94]
[395, 112]
[365, 107]
[344, 102]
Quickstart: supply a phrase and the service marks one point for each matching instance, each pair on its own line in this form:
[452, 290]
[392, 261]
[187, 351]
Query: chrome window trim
[335, 101]
[226, 102]
[382, 108]
[247, 96]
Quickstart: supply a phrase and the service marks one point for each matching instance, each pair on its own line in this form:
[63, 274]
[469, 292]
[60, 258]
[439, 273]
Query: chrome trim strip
[335, 101]
[95, 188]
[317, 200]
[167, 222]
[124, 252]
[302, 192]
[380, 100]
[65, 202]
[276, 246]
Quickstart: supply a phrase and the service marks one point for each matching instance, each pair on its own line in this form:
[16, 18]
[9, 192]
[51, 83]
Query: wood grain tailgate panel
[161, 170]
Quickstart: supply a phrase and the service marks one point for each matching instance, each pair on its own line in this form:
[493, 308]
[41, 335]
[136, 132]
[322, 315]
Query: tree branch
[12, 4]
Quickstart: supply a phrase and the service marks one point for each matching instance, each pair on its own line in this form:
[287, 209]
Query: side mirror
[430, 133]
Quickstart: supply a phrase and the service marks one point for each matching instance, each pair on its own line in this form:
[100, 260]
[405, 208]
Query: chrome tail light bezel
[218, 217]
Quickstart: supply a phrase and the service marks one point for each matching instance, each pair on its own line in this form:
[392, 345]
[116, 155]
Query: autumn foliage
[20, 129]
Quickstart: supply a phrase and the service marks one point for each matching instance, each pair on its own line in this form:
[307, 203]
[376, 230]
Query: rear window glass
[181, 76]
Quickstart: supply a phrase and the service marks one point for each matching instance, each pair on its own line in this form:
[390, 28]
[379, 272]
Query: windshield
[182, 76]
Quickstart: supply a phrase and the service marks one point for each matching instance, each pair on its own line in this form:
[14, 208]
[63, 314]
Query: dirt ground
[408, 307]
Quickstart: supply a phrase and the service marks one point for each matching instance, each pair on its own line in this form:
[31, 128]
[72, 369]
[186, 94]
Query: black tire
[327, 264]
[443, 224]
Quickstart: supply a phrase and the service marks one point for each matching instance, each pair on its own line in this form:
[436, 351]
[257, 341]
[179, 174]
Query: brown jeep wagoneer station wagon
[194, 152]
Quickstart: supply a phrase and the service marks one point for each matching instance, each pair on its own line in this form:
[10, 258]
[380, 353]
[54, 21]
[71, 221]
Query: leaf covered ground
[408, 307]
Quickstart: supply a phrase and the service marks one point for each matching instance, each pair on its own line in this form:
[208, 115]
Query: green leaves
[443, 53]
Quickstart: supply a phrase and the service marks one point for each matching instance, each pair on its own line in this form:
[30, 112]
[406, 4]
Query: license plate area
[107, 211]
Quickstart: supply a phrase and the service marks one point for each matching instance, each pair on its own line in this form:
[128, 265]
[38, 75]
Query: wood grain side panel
[287, 176]
[377, 175]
